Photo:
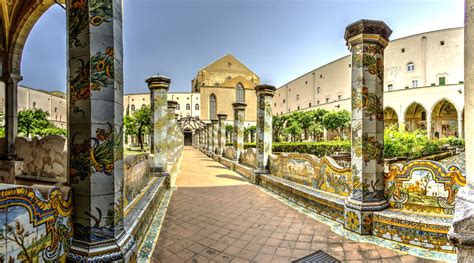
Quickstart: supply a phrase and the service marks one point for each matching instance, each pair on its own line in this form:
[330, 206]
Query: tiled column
[171, 134]
[209, 138]
[264, 126]
[11, 113]
[95, 135]
[462, 231]
[221, 134]
[215, 139]
[159, 86]
[367, 40]
[239, 118]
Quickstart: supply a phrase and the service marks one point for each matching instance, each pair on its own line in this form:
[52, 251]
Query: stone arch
[25, 18]
[444, 118]
[415, 117]
[390, 116]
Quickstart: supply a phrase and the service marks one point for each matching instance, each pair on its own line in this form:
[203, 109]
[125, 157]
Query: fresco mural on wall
[423, 186]
[306, 169]
[34, 229]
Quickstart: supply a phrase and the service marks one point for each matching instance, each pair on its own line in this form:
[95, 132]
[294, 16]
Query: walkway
[216, 216]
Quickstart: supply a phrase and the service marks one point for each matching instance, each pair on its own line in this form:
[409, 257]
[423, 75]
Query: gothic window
[239, 93]
[212, 107]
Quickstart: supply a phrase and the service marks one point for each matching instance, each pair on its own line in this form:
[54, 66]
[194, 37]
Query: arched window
[212, 107]
[177, 106]
[196, 107]
[410, 66]
[297, 97]
[133, 107]
[239, 93]
[188, 106]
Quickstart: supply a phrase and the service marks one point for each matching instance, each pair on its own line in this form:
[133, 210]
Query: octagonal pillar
[461, 233]
[265, 95]
[95, 135]
[367, 40]
[221, 134]
[239, 118]
[159, 86]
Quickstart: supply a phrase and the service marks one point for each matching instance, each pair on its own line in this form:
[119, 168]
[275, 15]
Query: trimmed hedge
[317, 148]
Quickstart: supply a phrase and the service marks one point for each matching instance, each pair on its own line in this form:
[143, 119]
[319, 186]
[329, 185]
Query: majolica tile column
[239, 118]
[172, 136]
[159, 86]
[95, 136]
[221, 134]
[367, 40]
[215, 139]
[209, 138]
[461, 233]
[264, 126]
[460, 125]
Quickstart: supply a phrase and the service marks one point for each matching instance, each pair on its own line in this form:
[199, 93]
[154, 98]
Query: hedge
[316, 148]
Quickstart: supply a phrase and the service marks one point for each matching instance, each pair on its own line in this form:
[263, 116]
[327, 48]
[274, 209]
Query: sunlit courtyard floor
[216, 216]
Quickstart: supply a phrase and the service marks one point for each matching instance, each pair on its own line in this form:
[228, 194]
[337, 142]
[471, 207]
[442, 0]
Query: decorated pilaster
[239, 118]
[11, 111]
[367, 40]
[221, 134]
[209, 138]
[264, 126]
[159, 86]
[95, 135]
[461, 233]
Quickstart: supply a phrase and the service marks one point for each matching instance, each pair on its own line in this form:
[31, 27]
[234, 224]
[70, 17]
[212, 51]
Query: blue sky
[278, 39]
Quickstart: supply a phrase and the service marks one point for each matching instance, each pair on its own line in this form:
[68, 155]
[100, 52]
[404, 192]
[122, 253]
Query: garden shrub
[409, 144]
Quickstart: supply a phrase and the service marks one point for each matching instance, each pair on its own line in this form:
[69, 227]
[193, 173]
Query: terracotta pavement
[216, 216]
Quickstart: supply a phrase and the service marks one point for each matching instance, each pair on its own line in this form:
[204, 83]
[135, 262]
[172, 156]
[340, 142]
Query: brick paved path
[216, 216]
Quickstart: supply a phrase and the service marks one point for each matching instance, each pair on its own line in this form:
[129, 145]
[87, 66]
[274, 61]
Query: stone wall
[249, 157]
[229, 152]
[137, 175]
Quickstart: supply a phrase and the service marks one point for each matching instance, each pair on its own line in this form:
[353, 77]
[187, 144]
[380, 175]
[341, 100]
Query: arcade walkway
[216, 216]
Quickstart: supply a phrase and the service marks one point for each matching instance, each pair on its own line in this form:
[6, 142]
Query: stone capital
[267, 90]
[214, 121]
[172, 105]
[158, 82]
[11, 76]
[208, 125]
[222, 116]
[239, 106]
[364, 30]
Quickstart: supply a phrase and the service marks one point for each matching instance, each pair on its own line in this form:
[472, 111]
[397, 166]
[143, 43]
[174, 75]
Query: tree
[138, 124]
[278, 124]
[337, 120]
[35, 121]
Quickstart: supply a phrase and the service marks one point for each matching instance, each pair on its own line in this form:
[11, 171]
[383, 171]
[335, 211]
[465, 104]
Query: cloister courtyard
[368, 158]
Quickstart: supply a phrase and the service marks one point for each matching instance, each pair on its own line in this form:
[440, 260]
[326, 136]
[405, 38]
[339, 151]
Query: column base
[121, 250]
[461, 233]
[257, 173]
[358, 215]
